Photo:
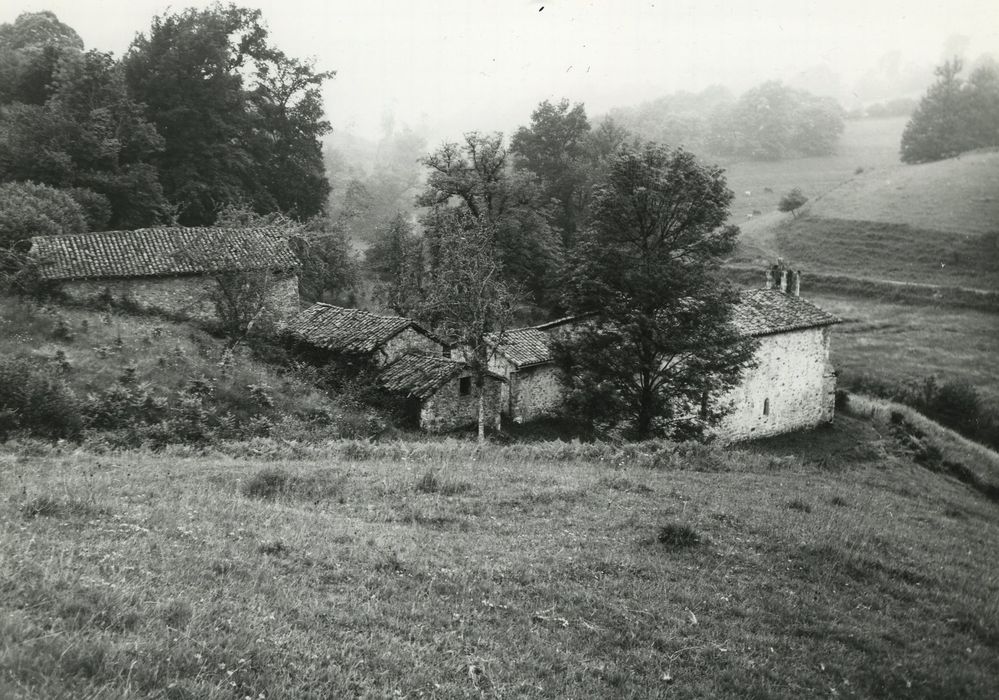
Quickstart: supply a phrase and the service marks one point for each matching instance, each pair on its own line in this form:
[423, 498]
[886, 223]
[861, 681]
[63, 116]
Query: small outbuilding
[168, 270]
[440, 393]
[327, 333]
[524, 357]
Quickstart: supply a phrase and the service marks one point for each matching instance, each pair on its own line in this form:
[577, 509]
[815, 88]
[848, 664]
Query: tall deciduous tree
[466, 297]
[241, 120]
[658, 339]
[396, 258]
[954, 115]
[67, 120]
[477, 177]
[773, 121]
[28, 209]
[30, 50]
[554, 148]
[936, 129]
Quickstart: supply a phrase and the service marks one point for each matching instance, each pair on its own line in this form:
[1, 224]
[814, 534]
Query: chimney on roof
[780, 276]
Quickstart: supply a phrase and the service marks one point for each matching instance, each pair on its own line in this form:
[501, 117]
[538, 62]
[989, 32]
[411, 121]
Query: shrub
[842, 401]
[678, 536]
[430, 482]
[799, 505]
[267, 484]
[792, 201]
[28, 209]
[35, 399]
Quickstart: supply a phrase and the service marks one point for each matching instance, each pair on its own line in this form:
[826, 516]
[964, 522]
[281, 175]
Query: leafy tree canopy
[954, 115]
[477, 177]
[241, 121]
[554, 148]
[792, 201]
[30, 49]
[28, 209]
[771, 121]
[658, 337]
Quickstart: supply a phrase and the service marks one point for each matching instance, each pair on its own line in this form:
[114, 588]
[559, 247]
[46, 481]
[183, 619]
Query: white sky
[455, 65]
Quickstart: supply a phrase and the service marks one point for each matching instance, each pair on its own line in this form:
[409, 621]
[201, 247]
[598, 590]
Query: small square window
[465, 386]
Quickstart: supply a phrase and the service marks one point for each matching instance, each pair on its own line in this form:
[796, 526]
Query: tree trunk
[646, 413]
[482, 414]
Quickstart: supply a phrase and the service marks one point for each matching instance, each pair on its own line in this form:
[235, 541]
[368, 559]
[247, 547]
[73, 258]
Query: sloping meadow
[267, 569]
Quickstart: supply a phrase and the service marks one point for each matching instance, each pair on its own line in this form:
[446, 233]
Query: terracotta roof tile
[526, 346]
[768, 311]
[419, 375]
[349, 331]
[759, 312]
[151, 252]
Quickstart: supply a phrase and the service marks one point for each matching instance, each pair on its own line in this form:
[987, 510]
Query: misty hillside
[959, 195]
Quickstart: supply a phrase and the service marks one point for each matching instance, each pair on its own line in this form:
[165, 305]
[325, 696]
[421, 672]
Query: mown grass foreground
[832, 565]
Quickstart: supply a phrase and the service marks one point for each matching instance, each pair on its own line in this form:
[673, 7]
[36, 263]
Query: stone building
[791, 388]
[524, 358]
[168, 270]
[410, 362]
[441, 393]
[793, 385]
[329, 333]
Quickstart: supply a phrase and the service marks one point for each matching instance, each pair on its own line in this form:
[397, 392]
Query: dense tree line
[201, 113]
[772, 121]
[955, 115]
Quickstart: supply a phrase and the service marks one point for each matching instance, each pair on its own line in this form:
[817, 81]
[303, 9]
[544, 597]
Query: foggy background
[441, 68]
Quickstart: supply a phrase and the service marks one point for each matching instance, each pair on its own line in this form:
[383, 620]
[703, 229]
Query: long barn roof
[156, 252]
[349, 331]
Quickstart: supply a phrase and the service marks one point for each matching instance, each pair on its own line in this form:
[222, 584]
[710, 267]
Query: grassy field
[886, 251]
[957, 195]
[908, 343]
[758, 185]
[823, 564]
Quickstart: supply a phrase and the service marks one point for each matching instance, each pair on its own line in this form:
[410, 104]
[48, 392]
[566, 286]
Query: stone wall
[504, 368]
[448, 409]
[406, 341]
[185, 297]
[534, 392]
[793, 387]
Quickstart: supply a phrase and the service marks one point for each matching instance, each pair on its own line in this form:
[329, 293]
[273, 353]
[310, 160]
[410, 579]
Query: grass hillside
[121, 372]
[831, 564]
[958, 195]
[906, 344]
[890, 251]
[758, 185]
[865, 206]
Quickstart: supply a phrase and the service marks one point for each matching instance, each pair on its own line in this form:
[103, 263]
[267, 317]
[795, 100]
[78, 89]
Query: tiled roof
[768, 311]
[532, 345]
[759, 312]
[419, 375]
[526, 346]
[151, 252]
[349, 331]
